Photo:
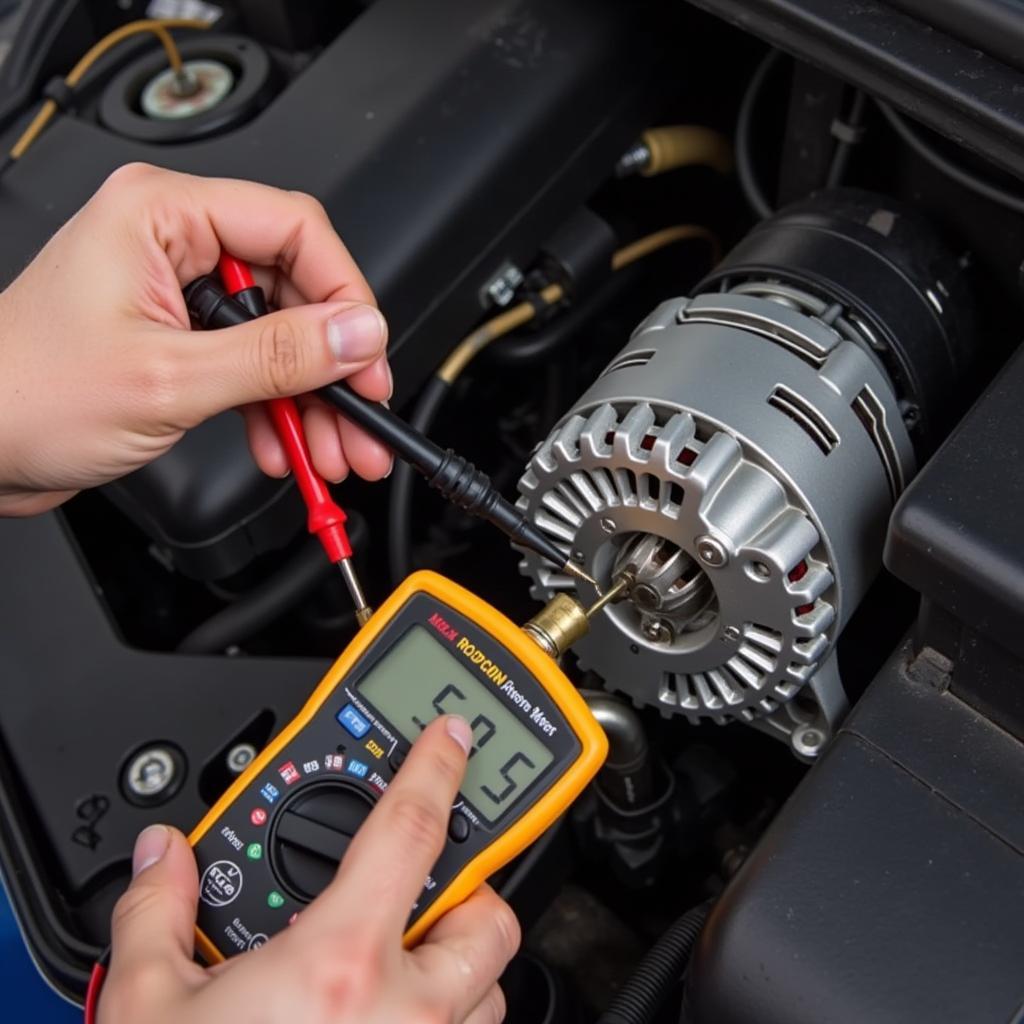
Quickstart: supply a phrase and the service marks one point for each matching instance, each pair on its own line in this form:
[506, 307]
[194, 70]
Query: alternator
[740, 458]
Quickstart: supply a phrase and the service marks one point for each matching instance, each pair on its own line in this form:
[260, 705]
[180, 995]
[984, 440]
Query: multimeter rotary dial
[311, 832]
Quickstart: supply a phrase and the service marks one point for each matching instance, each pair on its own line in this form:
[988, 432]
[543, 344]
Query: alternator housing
[740, 456]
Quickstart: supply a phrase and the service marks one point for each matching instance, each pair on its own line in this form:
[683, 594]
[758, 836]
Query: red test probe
[326, 519]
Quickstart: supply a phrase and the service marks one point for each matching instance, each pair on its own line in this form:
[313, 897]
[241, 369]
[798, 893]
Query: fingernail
[355, 334]
[391, 466]
[391, 384]
[149, 848]
[459, 730]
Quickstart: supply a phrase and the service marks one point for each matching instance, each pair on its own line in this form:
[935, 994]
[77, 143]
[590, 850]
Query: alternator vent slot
[630, 359]
[806, 417]
[871, 413]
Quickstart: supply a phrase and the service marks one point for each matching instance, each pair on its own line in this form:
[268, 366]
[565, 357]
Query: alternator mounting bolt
[608, 525]
[711, 552]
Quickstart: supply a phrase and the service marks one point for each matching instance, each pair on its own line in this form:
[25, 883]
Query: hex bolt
[711, 552]
[577, 556]
[731, 634]
[240, 757]
[807, 741]
[658, 631]
[608, 525]
[151, 772]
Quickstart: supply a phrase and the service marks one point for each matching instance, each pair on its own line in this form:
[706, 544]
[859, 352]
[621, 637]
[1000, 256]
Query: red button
[258, 816]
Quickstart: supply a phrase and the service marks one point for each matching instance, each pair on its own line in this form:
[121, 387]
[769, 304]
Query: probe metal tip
[348, 574]
[572, 569]
[616, 592]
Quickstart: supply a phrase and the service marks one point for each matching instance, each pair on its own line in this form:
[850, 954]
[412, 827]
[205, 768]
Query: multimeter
[274, 840]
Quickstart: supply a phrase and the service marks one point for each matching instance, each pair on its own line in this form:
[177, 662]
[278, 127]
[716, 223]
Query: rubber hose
[403, 479]
[524, 349]
[270, 599]
[639, 1000]
[745, 169]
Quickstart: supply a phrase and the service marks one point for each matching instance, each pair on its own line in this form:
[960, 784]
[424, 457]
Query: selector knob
[311, 832]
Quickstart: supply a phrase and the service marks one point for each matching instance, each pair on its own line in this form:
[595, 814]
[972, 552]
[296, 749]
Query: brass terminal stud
[558, 625]
[563, 620]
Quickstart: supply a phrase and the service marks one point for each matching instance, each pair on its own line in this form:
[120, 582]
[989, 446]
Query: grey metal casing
[796, 451]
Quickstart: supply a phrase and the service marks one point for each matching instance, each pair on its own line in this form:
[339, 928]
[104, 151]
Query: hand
[342, 962]
[100, 374]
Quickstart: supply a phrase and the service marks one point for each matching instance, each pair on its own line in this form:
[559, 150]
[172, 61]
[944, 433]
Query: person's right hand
[342, 962]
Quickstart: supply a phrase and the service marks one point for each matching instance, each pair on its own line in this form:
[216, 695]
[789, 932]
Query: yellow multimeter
[274, 840]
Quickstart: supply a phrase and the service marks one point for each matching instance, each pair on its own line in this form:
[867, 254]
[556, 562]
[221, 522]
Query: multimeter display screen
[418, 679]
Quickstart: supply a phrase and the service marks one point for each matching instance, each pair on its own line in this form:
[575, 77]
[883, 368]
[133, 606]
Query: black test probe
[455, 477]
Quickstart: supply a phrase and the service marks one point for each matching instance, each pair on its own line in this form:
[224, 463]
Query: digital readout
[418, 679]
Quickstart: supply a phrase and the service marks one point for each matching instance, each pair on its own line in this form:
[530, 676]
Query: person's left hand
[100, 374]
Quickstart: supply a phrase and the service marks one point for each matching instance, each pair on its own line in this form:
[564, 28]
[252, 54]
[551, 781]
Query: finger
[468, 949]
[375, 382]
[266, 449]
[256, 223]
[491, 1009]
[392, 853]
[286, 353]
[366, 455]
[324, 440]
[153, 923]
[279, 290]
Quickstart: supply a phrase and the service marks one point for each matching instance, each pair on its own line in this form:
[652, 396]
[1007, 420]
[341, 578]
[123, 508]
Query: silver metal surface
[240, 757]
[208, 83]
[758, 450]
[501, 289]
[150, 772]
[355, 590]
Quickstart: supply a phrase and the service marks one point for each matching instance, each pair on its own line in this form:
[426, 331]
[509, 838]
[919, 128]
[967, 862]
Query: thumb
[285, 353]
[154, 921]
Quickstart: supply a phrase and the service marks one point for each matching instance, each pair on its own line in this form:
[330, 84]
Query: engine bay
[726, 297]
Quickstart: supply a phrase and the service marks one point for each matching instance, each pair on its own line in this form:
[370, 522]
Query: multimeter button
[311, 832]
[353, 722]
[458, 828]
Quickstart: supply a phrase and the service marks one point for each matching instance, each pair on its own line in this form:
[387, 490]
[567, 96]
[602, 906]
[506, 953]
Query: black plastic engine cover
[444, 139]
[890, 887]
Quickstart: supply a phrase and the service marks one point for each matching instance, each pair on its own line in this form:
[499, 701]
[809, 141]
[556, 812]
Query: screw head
[150, 773]
[711, 552]
[577, 556]
[731, 633]
[608, 525]
[808, 741]
[240, 757]
[759, 570]
[658, 631]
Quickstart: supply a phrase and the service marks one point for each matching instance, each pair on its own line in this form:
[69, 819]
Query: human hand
[100, 374]
[342, 961]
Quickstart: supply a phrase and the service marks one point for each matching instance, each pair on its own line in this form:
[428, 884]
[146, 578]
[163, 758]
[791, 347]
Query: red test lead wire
[326, 519]
[92, 993]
